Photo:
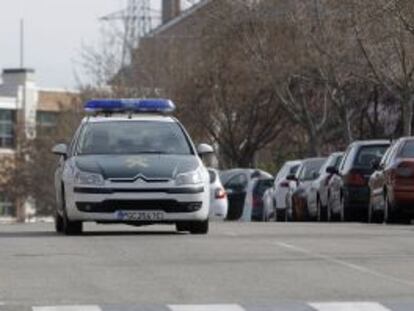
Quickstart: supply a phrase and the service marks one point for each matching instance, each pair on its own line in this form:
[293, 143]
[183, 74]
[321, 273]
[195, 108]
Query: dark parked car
[349, 192]
[392, 184]
[259, 188]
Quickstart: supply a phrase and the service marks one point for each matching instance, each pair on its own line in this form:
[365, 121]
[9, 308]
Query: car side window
[213, 176]
[387, 156]
[238, 182]
[338, 160]
[395, 149]
[345, 158]
[293, 170]
[74, 141]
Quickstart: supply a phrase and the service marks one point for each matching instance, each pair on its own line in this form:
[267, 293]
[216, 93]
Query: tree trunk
[407, 115]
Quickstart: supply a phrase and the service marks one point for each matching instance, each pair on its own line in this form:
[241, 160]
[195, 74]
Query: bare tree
[387, 45]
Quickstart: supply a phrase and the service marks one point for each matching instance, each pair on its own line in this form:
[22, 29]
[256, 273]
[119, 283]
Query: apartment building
[25, 105]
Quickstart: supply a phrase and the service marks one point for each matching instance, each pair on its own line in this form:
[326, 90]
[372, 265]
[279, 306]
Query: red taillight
[220, 193]
[355, 179]
[284, 184]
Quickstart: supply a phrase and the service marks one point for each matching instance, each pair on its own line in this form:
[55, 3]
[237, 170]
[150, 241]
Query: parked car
[238, 183]
[259, 186]
[318, 191]
[299, 189]
[218, 197]
[392, 184]
[274, 198]
[349, 192]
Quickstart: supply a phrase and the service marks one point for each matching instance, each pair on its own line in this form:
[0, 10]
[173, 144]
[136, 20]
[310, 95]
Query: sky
[55, 31]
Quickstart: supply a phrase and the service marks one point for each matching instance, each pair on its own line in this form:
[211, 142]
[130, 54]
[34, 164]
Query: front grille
[173, 190]
[111, 206]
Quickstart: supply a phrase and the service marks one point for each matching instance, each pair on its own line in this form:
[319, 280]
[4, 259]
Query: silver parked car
[274, 199]
[318, 192]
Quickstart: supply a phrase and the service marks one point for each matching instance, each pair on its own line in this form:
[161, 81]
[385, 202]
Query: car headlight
[85, 178]
[190, 178]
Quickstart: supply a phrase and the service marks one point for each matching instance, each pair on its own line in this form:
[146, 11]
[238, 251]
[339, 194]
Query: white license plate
[139, 215]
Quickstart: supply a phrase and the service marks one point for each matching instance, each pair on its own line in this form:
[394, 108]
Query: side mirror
[332, 170]
[204, 149]
[375, 164]
[291, 177]
[61, 150]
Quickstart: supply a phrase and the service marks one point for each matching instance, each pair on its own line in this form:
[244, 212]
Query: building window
[7, 118]
[6, 206]
[46, 119]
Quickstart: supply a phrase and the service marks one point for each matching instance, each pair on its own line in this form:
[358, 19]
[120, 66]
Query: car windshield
[310, 168]
[133, 137]
[262, 185]
[294, 169]
[367, 154]
[408, 150]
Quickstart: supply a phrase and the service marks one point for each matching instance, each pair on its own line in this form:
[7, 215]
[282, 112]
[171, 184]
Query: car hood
[147, 166]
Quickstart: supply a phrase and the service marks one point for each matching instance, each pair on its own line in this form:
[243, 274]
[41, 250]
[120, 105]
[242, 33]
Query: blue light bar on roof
[130, 105]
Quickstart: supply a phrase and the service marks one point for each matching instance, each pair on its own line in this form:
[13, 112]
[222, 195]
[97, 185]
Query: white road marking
[346, 264]
[68, 308]
[232, 234]
[206, 308]
[349, 306]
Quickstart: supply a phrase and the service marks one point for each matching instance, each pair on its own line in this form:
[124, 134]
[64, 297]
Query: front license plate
[139, 216]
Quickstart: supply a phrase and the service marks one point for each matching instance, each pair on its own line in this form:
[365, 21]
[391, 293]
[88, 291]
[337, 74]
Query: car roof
[406, 138]
[371, 142]
[293, 162]
[304, 161]
[225, 175]
[127, 118]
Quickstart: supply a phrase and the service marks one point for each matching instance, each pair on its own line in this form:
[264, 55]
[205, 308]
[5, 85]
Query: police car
[130, 162]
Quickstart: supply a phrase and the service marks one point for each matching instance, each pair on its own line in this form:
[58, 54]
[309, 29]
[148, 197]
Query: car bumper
[357, 197]
[104, 205]
[257, 213]
[404, 199]
[218, 209]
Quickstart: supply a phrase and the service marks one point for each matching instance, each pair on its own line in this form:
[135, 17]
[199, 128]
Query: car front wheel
[194, 227]
[199, 227]
[72, 227]
[58, 222]
[65, 225]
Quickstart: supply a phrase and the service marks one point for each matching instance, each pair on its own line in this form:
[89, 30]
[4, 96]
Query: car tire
[389, 215]
[342, 213]
[274, 211]
[58, 222]
[328, 209]
[318, 210]
[370, 212]
[281, 215]
[182, 227]
[70, 227]
[199, 227]
[374, 217]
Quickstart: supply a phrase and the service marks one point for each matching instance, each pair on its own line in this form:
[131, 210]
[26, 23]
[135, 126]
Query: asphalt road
[244, 264]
